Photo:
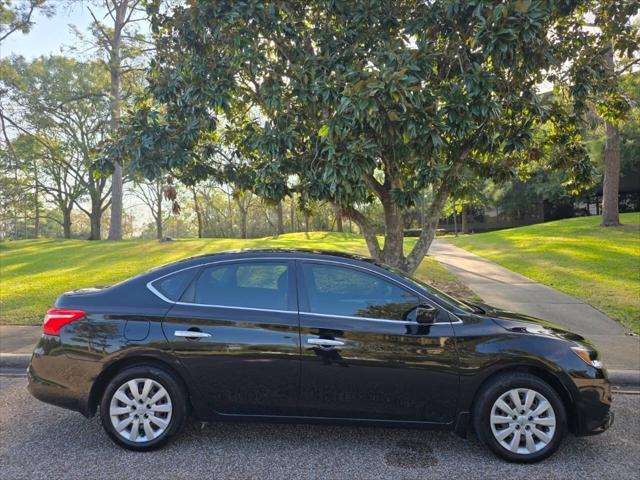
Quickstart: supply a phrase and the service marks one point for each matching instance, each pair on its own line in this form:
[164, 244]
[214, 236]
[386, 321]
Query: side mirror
[426, 314]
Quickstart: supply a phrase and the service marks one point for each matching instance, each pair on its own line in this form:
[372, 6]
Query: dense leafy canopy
[353, 101]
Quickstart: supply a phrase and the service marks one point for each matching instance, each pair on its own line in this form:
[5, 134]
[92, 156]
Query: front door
[364, 355]
[235, 330]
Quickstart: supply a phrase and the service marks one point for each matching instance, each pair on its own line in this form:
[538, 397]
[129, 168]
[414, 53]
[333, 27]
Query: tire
[160, 415]
[528, 438]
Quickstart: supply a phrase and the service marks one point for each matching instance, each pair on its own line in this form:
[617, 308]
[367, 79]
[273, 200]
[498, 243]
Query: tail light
[56, 318]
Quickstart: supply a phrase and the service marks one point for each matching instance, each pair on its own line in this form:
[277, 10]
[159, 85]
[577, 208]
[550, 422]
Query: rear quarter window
[173, 285]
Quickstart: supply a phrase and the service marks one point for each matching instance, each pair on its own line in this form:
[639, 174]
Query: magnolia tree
[355, 102]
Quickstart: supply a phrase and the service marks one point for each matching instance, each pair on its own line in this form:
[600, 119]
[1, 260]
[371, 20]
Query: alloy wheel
[523, 421]
[140, 410]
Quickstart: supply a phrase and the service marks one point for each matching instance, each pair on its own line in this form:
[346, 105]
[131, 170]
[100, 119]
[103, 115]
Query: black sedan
[311, 336]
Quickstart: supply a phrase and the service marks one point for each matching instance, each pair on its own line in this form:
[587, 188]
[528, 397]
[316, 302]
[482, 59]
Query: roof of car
[306, 251]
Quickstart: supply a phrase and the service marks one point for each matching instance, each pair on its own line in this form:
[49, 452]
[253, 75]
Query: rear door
[235, 329]
[363, 354]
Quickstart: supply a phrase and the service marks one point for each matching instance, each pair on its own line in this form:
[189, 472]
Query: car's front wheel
[520, 417]
[142, 407]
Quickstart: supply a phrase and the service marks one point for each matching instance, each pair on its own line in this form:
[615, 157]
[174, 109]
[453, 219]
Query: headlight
[585, 355]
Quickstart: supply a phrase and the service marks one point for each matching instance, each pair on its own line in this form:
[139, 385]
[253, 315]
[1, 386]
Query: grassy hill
[34, 272]
[575, 256]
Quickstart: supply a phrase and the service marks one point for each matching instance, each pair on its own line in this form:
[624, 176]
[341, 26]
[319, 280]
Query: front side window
[246, 284]
[334, 290]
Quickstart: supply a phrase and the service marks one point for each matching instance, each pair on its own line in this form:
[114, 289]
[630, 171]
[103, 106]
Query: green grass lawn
[34, 272]
[576, 256]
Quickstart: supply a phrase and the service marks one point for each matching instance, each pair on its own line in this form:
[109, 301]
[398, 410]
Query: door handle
[325, 342]
[191, 334]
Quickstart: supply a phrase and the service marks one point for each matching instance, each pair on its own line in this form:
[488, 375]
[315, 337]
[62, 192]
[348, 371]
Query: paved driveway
[41, 441]
[506, 289]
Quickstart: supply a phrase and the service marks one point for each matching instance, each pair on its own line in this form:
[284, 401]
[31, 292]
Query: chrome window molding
[157, 293]
[233, 307]
[368, 319]
[301, 259]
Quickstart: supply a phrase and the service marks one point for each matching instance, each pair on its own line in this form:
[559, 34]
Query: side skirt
[331, 421]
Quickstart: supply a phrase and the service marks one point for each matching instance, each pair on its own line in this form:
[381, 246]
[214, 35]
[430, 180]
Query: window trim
[287, 261]
[158, 291]
[304, 307]
[454, 319]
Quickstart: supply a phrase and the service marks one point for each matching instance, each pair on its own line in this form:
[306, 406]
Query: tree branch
[367, 229]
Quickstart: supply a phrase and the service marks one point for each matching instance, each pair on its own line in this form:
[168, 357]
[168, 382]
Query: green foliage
[17, 15]
[61, 106]
[370, 99]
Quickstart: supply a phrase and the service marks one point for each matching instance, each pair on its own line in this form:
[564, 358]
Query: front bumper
[595, 428]
[593, 398]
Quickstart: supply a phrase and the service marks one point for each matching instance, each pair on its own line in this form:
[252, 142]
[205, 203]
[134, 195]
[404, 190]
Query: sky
[51, 35]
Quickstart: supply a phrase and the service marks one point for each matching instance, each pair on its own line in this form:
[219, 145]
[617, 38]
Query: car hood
[520, 323]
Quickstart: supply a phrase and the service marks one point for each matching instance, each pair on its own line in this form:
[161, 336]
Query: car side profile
[310, 336]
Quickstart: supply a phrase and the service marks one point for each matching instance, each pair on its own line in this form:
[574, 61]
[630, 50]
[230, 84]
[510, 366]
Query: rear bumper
[55, 394]
[56, 378]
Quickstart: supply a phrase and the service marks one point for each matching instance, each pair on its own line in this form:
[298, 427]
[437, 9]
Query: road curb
[627, 378]
[14, 360]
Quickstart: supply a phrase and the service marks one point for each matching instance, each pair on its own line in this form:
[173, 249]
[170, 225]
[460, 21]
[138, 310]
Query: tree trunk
[15, 206]
[293, 214]
[230, 215]
[339, 226]
[455, 221]
[367, 230]
[115, 227]
[611, 181]
[428, 229]
[243, 222]
[196, 206]
[280, 215]
[159, 232]
[66, 223]
[306, 224]
[95, 219]
[392, 252]
[36, 224]
[464, 223]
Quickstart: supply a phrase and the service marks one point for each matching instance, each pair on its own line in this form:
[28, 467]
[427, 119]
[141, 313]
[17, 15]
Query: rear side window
[172, 286]
[247, 284]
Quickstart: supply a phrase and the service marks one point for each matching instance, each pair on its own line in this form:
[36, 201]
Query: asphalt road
[41, 441]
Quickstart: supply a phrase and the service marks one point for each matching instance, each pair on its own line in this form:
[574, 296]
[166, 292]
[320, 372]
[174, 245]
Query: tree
[616, 51]
[117, 36]
[151, 193]
[60, 103]
[362, 102]
[45, 163]
[18, 16]
[17, 197]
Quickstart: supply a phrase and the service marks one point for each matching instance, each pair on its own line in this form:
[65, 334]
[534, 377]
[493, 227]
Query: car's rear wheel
[520, 417]
[142, 407]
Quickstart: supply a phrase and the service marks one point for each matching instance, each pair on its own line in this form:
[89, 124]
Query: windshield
[437, 293]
